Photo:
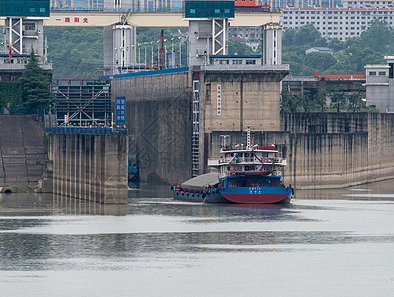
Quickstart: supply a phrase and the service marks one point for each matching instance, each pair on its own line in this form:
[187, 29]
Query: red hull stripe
[256, 198]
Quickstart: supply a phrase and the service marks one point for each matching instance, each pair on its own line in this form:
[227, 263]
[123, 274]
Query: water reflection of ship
[253, 209]
[133, 172]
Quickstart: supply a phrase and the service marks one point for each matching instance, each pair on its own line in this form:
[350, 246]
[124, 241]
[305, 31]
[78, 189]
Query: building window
[250, 62]
[208, 92]
[372, 73]
[237, 62]
[29, 26]
[224, 62]
[382, 72]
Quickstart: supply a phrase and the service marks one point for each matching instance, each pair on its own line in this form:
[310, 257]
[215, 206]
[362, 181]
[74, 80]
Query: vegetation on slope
[349, 56]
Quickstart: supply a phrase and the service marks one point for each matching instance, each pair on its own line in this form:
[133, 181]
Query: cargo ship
[249, 174]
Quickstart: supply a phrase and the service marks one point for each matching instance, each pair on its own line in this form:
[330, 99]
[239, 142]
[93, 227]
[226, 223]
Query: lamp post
[172, 53]
[165, 54]
[151, 57]
[139, 56]
[133, 53]
[145, 57]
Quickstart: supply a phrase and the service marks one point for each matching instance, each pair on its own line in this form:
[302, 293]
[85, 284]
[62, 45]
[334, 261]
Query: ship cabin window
[265, 155]
[232, 154]
[233, 183]
[246, 155]
[247, 168]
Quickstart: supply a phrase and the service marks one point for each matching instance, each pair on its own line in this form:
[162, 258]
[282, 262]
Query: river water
[326, 243]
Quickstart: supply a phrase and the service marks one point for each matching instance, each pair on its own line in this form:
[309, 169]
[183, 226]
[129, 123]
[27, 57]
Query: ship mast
[248, 146]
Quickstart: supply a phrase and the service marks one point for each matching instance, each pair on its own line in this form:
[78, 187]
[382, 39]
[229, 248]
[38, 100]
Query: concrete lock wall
[90, 167]
[23, 152]
[344, 149]
[159, 116]
[246, 97]
[322, 150]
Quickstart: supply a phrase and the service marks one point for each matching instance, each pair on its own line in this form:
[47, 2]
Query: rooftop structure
[23, 33]
[339, 76]
[324, 50]
[380, 85]
[24, 8]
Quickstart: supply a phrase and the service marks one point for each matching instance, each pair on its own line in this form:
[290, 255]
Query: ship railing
[232, 172]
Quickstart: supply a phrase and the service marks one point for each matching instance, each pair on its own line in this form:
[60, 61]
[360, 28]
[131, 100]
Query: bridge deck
[147, 19]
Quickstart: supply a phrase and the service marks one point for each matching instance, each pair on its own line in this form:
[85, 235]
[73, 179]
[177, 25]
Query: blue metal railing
[86, 130]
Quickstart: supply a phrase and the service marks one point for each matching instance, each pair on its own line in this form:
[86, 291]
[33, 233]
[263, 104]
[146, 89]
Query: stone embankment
[23, 152]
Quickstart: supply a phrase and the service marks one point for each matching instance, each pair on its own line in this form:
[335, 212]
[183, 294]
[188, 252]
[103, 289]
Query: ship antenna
[248, 147]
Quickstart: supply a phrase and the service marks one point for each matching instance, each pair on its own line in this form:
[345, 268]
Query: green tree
[351, 56]
[320, 100]
[338, 100]
[75, 52]
[289, 103]
[319, 61]
[354, 102]
[35, 85]
[379, 37]
[239, 48]
[335, 44]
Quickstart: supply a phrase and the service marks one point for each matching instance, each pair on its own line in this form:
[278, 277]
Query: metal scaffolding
[83, 103]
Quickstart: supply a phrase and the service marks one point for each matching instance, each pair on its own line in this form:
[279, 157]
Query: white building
[341, 23]
[323, 50]
[367, 4]
[380, 85]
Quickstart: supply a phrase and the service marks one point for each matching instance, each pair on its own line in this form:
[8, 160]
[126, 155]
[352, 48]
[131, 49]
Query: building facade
[380, 85]
[341, 23]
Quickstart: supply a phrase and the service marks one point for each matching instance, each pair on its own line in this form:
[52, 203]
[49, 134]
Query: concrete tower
[119, 48]
[272, 44]
[208, 28]
[23, 33]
